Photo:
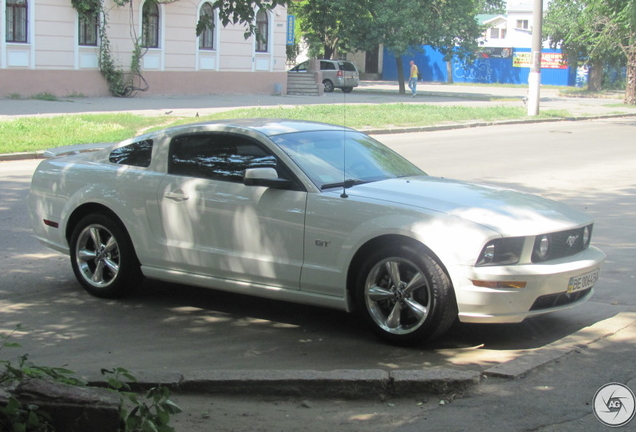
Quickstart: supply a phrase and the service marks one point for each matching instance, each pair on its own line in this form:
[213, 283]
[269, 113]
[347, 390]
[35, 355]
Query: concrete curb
[477, 124]
[7, 157]
[351, 384]
[371, 383]
[521, 366]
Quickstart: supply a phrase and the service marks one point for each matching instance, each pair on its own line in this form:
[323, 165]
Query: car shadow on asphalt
[532, 333]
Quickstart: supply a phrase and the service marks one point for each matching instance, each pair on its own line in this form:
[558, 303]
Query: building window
[88, 28]
[16, 21]
[262, 31]
[150, 25]
[206, 38]
[522, 24]
[497, 33]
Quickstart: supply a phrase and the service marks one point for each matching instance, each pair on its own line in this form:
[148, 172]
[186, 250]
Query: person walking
[413, 78]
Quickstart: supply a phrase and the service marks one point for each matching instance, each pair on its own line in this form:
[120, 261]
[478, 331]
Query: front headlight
[587, 235]
[541, 249]
[504, 251]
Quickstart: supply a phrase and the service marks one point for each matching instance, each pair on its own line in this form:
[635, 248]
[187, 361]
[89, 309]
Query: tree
[404, 26]
[324, 23]
[459, 31]
[596, 32]
[567, 24]
[400, 25]
[616, 24]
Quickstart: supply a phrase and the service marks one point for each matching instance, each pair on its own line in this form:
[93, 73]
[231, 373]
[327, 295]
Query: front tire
[103, 257]
[347, 89]
[405, 295]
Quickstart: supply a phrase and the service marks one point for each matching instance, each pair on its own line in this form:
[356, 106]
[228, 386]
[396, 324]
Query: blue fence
[483, 70]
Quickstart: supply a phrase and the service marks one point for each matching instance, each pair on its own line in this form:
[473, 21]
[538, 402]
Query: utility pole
[534, 79]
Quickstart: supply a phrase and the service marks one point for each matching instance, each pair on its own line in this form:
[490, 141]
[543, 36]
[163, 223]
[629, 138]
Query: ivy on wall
[120, 83]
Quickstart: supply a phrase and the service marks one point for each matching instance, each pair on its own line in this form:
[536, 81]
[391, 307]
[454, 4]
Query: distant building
[513, 29]
[46, 47]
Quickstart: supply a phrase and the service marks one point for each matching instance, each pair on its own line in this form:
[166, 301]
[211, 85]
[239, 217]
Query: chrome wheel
[103, 256]
[328, 86]
[404, 294]
[97, 256]
[398, 295]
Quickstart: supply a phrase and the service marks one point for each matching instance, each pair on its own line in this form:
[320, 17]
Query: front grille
[563, 244]
[555, 300]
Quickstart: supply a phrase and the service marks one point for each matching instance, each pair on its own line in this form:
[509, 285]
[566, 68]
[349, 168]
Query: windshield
[323, 154]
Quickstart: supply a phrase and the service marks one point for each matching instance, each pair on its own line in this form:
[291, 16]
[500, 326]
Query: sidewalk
[368, 92]
[550, 393]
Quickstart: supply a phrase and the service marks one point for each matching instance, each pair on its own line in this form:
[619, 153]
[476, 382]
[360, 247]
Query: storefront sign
[548, 60]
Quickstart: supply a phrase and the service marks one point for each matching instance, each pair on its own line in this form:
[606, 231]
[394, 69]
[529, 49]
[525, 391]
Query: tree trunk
[595, 79]
[400, 71]
[449, 72]
[630, 81]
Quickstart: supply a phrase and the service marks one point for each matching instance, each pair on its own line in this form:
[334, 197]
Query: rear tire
[103, 257]
[405, 295]
[328, 86]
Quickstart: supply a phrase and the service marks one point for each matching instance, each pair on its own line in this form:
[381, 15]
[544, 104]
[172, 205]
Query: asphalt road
[166, 327]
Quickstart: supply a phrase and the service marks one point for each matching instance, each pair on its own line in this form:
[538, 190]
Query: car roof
[265, 126]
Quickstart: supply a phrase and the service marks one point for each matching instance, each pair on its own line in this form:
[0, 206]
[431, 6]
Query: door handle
[176, 196]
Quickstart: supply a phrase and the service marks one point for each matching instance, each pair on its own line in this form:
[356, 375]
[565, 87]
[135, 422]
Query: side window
[302, 67]
[217, 156]
[16, 21]
[137, 154]
[327, 66]
[150, 25]
[347, 66]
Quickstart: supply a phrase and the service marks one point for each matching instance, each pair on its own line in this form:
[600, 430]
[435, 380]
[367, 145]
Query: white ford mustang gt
[310, 213]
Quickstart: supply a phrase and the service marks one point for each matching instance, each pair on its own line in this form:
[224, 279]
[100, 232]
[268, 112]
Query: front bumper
[545, 290]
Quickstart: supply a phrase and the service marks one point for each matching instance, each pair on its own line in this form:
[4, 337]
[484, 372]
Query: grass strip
[39, 133]
[27, 134]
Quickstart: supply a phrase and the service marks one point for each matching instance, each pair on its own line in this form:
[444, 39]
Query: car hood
[509, 212]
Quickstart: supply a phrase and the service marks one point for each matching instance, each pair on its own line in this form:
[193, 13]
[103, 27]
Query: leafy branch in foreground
[149, 414]
[153, 414]
[15, 415]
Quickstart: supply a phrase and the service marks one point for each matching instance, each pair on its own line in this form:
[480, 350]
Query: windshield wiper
[345, 184]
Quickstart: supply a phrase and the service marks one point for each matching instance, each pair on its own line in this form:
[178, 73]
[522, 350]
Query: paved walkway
[368, 92]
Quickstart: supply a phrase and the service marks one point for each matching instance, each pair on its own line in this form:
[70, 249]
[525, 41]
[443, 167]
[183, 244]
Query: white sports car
[310, 213]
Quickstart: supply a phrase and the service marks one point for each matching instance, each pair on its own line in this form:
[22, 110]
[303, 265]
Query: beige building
[46, 47]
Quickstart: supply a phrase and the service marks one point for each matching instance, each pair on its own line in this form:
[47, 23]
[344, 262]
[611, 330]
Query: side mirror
[267, 177]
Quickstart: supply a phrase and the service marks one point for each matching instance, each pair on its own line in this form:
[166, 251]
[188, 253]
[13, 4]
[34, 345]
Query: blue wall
[483, 70]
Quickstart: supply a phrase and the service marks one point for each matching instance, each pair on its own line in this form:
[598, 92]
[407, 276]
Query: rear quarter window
[348, 66]
[137, 154]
